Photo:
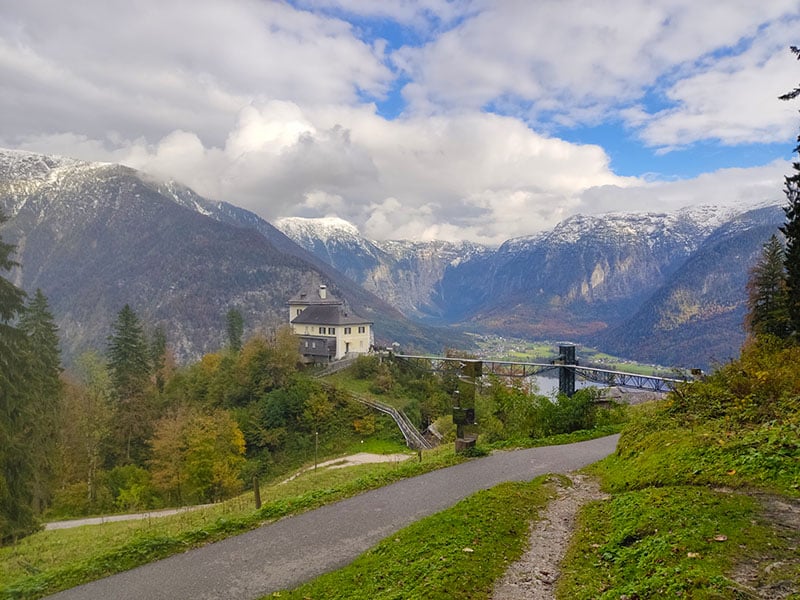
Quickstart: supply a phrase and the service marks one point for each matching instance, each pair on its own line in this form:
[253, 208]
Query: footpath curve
[293, 550]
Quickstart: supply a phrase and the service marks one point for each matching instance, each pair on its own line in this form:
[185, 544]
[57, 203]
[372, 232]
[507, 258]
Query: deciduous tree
[86, 425]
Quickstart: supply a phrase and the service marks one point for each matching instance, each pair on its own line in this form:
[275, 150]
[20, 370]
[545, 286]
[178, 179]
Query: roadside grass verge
[456, 553]
[558, 439]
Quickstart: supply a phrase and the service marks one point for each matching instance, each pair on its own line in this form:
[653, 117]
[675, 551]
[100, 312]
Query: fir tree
[791, 229]
[11, 306]
[129, 368]
[767, 297]
[16, 514]
[42, 395]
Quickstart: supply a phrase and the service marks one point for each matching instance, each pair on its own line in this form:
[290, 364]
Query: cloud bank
[417, 118]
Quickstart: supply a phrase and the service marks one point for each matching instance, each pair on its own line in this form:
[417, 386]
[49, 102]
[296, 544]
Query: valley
[663, 288]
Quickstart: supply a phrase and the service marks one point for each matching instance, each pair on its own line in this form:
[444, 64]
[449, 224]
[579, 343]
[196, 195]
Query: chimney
[323, 291]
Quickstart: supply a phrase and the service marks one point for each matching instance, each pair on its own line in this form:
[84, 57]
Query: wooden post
[257, 491]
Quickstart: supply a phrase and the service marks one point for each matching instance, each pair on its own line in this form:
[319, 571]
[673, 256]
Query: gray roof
[312, 297]
[326, 314]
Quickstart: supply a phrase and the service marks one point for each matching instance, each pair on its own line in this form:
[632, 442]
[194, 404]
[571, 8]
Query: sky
[421, 119]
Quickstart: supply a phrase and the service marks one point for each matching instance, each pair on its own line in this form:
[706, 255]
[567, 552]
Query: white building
[326, 328]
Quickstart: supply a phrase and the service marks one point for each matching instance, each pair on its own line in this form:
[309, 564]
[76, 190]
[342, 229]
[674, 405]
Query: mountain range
[94, 237]
[665, 287]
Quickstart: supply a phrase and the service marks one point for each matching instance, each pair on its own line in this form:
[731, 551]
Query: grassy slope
[694, 485]
[688, 514]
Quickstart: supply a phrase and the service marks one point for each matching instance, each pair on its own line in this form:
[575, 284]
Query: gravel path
[293, 550]
[533, 576]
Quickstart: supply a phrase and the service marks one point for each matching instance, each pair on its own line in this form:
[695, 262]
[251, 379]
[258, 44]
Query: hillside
[696, 318]
[591, 278]
[96, 236]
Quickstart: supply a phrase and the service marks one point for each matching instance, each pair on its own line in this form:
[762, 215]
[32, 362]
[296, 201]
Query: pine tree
[791, 229]
[42, 395]
[129, 368]
[767, 297]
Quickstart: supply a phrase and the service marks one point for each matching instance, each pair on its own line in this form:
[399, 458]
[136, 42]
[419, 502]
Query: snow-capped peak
[324, 228]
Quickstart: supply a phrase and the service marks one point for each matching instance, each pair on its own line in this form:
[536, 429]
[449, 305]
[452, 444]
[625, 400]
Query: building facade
[327, 329]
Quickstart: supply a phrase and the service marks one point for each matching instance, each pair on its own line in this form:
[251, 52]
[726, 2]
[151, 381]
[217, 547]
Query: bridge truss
[566, 372]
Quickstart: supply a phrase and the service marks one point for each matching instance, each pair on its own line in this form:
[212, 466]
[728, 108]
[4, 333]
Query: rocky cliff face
[404, 273]
[696, 317]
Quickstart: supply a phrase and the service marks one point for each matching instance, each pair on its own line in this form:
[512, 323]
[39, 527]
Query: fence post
[257, 491]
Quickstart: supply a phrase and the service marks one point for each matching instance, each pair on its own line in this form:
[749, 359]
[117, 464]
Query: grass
[690, 509]
[363, 387]
[456, 553]
[662, 542]
[49, 561]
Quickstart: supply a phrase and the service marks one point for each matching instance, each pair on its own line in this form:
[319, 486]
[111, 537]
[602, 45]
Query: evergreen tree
[16, 514]
[235, 326]
[11, 306]
[791, 229]
[767, 297]
[158, 357]
[42, 395]
[129, 368]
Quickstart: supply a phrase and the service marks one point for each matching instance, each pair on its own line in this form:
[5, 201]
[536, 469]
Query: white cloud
[733, 100]
[272, 107]
[144, 70]
[471, 176]
[733, 187]
[569, 61]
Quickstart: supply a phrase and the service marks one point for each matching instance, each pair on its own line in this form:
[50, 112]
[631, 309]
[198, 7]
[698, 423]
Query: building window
[313, 344]
[306, 344]
[362, 329]
[348, 330]
[322, 330]
[299, 310]
[331, 331]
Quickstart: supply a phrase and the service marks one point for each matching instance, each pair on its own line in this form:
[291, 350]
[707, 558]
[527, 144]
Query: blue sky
[453, 119]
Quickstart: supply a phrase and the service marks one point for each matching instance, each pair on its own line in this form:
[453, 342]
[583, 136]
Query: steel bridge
[566, 365]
